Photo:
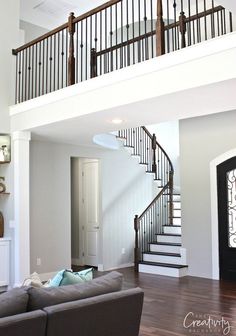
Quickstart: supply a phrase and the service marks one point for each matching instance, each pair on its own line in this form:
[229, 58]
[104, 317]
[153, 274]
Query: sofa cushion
[13, 302]
[40, 298]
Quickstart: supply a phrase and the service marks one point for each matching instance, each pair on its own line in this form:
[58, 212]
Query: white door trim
[214, 210]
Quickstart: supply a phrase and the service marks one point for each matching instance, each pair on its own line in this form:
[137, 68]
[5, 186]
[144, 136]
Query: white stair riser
[176, 197]
[177, 213]
[176, 221]
[158, 183]
[164, 248]
[167, 271]
[163, 259]
[172, 229]
[177, 205]
[168, 239]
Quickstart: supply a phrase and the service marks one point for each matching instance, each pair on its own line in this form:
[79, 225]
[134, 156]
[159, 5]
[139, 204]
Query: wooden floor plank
[168, 300]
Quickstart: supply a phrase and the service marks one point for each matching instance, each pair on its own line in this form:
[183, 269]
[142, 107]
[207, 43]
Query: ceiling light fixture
[117, 121]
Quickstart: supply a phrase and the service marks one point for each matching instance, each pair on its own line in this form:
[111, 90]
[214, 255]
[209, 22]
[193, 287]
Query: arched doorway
[226, 191]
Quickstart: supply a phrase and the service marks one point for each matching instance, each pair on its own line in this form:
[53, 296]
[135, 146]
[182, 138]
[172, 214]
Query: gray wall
[31, 31]
[125, 191]
[202, 139]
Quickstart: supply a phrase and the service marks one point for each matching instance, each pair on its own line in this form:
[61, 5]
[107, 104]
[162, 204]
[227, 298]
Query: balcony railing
[112, 36]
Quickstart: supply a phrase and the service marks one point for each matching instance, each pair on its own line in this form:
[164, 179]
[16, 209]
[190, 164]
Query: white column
[21, 205]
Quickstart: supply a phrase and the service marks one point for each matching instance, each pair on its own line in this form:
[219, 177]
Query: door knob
[96, 227]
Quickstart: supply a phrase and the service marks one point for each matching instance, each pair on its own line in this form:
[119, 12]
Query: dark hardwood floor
[168, 300]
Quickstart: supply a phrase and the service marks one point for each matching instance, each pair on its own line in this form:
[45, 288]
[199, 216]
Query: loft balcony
[115, 35]
[153, 56]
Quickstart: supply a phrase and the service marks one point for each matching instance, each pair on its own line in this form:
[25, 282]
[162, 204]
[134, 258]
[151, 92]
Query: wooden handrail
[65, 25]
[152, 33]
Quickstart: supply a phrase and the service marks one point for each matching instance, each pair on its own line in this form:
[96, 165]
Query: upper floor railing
[112, 36]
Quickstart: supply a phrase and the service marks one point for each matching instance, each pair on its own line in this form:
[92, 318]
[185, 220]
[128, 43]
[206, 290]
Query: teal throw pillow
[71, 278]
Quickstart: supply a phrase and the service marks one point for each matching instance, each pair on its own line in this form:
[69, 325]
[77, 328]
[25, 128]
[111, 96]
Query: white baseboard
[100, 267]
[119, 266]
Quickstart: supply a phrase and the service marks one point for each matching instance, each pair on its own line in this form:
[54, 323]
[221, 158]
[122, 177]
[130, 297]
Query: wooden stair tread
[179, 226]
[162, 264]
[166, 254]
[166, 244]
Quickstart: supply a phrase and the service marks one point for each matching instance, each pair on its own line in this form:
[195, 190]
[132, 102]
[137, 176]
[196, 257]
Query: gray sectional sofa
[95, 308]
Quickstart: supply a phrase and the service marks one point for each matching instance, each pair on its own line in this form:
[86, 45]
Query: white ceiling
[52, 13]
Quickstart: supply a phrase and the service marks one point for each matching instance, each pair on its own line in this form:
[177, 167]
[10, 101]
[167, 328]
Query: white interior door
[91, 211]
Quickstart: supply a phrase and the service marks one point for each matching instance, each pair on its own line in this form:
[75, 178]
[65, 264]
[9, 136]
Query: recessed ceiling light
[117, 121]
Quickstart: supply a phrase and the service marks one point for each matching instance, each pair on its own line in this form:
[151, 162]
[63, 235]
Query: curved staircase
[158, 241]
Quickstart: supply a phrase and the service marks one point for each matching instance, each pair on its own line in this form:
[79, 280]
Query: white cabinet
[4, 261]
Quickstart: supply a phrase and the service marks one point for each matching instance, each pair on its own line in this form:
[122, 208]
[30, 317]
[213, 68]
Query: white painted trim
[118, 267]
[100, 268]
[214, 210]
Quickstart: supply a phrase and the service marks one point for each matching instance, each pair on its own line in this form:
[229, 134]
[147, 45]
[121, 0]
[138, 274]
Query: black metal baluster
[50, 64]
[198, 24]
[34, 65]
[168, 22]
[19, 79]
[26, 72]
[111, 39]
[82, 53]
[122, 37]
[16, 79]
[127, 32]
[205, 20]
[43, 58]
[133, 30]
[66, 58]
[139, 31]
[116, 16]
[175, 15]
[46, 75]
[189, 25]
[218, 23]
[54, 63]
[58, 60]
[212, 21]
[224, 21]
[230, 22]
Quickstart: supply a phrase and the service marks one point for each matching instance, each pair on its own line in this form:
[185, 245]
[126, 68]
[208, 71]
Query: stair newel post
[93, 63]
[154, 148]
[71, 58]
[160, 30]
[182, 28]
[171, 207]
[136, 248]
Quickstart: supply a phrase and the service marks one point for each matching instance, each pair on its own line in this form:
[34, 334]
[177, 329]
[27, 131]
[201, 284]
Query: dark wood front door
[226, 180]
